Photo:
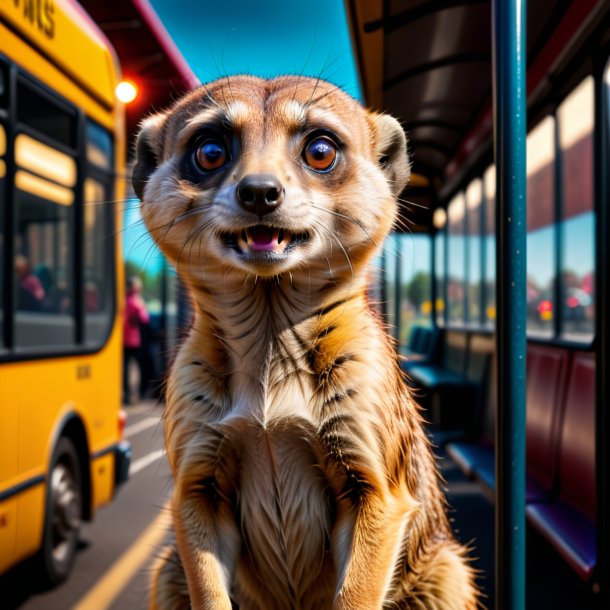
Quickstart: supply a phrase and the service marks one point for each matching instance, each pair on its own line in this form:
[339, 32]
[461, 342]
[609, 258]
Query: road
[117, 549]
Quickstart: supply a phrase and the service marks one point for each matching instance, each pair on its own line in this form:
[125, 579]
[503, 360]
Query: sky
[266, 38]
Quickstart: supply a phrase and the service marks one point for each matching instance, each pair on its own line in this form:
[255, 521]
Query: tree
[418, 289]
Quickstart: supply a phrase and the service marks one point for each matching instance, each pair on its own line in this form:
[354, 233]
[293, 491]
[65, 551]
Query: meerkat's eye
[320, 154]
[211, 154]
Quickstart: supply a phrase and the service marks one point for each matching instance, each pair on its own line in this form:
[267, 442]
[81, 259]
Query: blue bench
[422, 347]
[451, 387]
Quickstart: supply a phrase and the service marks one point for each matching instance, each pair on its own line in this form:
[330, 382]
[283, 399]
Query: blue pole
[509, 95]
[602, 294]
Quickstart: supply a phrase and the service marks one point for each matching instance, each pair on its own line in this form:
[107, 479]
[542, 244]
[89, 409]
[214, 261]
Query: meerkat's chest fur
[275, 408]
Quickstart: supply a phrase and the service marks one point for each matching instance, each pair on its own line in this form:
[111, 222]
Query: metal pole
[433, 274]
[602, 294]
[446, 272]
[483, 257]
[509, 95]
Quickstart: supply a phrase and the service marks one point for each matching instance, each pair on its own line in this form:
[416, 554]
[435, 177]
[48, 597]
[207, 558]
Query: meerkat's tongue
[263, 239]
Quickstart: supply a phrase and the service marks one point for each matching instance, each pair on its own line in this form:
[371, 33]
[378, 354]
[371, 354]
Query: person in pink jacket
[135, 317]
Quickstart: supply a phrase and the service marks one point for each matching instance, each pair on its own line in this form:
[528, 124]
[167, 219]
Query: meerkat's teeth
[242, 241]
[261, 238]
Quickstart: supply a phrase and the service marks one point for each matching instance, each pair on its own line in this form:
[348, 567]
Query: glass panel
[45, 161]
[45, 189]
[2, 214]
[144, 260]
[99, 146]
[3, 85]
[439, 274]
[575, 116]
[489, 182]
[390, 253]
[540, 229]
[415, 284]
[171, 322]
[47, 117]
[374, 280]
[456, 272]
[99, 238]
[99, 272]
[44, 252]
[474, 200]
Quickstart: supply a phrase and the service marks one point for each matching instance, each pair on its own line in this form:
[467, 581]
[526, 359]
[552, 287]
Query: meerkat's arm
[209, 541]
[376, 531]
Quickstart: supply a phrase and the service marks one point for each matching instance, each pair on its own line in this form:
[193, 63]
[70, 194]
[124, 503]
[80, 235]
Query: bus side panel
[102, 423]
[8, 531]
[102, 475]
[30, 505]
[63, 35]
[8, 473]
[28, 59]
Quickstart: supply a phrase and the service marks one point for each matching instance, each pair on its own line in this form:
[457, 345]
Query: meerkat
[303, 476]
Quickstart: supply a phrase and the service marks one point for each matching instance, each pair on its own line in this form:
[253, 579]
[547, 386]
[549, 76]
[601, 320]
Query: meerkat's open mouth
[262, 240]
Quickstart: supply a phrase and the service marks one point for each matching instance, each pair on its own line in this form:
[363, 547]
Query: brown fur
[303, 478]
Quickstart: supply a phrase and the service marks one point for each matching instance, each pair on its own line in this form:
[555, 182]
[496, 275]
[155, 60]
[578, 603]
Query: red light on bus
[122, 420]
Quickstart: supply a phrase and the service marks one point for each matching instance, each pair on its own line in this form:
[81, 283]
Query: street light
[126, 91]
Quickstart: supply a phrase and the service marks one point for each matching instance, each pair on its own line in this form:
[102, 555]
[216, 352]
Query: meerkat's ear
[149, 145]
[391, 150]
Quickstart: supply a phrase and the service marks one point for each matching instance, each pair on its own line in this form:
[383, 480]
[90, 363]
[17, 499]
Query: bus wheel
[64, 505]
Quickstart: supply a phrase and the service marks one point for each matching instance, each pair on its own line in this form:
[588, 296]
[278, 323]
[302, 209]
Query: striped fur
[303, 478]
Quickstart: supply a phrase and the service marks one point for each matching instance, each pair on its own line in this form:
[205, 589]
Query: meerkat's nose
[260, 193]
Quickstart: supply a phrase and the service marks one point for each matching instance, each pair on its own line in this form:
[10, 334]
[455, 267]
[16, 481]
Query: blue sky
[265, 38]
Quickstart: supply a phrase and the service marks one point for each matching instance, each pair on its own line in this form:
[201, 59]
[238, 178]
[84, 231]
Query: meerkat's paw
[444, 580]
[168, 589]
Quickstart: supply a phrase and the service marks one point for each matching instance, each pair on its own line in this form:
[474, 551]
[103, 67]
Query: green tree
[418, 289]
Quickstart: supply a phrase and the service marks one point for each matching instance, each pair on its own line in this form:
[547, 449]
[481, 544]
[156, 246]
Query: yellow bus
[61, 151]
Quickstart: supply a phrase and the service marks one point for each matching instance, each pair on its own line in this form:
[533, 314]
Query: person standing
[136, 316]
[31, 291]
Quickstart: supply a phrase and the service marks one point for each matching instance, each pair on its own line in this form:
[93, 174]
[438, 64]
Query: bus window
[577, 226]
[98, 236]
[46, 115]
[44, 245]
[456, 262]
[3, 85]
[99, 282]
[540, 229]
[374, 282]
[3, 145]
[474, 206]
[99, 147]
[2, 214]
[489, 235]
[390, 252]
[440, 223]
[415, 284]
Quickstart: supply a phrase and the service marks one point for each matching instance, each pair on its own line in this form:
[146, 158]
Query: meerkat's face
[267, 177]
